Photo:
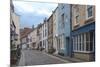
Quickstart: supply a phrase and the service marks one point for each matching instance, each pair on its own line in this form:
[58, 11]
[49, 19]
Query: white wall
[16, 20]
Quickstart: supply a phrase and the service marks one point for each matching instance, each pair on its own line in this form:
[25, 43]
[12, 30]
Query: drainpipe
[71, 46]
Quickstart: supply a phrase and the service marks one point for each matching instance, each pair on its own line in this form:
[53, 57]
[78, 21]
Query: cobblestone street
[34, 57]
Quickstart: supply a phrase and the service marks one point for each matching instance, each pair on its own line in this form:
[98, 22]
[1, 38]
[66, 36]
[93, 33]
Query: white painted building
[45, 35]
[55, 27]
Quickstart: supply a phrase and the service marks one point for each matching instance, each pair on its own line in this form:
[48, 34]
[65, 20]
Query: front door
[67, 46]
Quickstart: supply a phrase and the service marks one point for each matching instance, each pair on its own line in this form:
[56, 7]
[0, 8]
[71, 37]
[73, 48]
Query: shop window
[84, 42]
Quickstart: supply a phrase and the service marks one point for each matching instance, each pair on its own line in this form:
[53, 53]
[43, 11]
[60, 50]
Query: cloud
[33, 12]
[22, 7]
[34, 7]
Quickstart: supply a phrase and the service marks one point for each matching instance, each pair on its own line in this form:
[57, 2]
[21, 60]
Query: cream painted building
[55, 20]
[14, 27]
[16, 20]
[32, 36]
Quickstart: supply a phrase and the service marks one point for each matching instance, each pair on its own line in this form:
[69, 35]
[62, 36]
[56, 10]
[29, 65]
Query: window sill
[76, 25]
[83, 51]
[90, 19]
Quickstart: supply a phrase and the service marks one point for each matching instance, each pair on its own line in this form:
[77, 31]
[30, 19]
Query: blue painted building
[63, 30]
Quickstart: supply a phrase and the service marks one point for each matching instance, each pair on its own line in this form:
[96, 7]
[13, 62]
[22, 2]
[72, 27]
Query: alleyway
[34, 57]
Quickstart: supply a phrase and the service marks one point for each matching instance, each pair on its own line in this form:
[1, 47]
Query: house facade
[45, 35]
[55, 31]
[50, 34]
[62, 33]
[14, 28]
[39, 36]
[83, 32]
[24, 38]
[32, 36]
[16, 20]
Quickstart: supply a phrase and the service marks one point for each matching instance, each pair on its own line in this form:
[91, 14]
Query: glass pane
[91, 41]
[89, 11]
[83, 42]
[80, 42]
[88, 41]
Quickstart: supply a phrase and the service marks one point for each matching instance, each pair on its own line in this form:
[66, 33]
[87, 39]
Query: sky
[33, 13]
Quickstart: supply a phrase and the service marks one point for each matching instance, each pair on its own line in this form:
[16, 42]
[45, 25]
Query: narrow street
[34, 57]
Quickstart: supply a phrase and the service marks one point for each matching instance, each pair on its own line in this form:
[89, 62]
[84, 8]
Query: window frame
[88, 6]
[76, 43]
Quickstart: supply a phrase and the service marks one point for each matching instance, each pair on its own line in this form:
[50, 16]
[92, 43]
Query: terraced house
[39, 36]
[14, 34]
[83, 31]
[32, 36]
[55, 31]
[45, 35]
[61, 30]
[50, 34]
[24, 38]
[14, 27]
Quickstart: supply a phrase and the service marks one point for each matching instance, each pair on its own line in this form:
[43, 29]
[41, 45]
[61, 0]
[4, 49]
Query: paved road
[34, 57]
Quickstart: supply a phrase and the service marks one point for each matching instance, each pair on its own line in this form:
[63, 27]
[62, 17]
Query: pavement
[71, 59]
[34, 57]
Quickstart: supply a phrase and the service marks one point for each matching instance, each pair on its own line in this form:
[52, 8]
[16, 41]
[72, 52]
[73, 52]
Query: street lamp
[56, 35]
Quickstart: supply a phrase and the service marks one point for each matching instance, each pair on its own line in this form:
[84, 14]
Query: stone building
[83, 32]
[24, 38]
[50, 34]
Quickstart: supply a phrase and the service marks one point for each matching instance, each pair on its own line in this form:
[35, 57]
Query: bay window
[84, 42]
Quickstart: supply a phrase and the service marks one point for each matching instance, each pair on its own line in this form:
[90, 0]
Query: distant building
[39, 36]
[24, 37]
[32, 36]
[45, 34]
[83, 32]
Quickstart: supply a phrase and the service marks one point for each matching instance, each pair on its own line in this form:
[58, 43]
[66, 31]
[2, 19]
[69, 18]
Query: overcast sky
[33, 12]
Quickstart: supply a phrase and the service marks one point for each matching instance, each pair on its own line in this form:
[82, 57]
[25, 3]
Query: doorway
[67, 46]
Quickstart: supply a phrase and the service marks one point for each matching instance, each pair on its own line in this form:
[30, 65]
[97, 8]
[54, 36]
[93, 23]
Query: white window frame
[73, 43]
[81, 42]
[87, 12]
[77, 43]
